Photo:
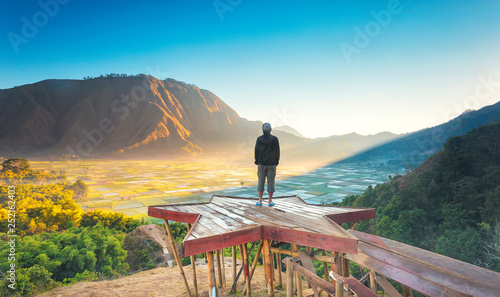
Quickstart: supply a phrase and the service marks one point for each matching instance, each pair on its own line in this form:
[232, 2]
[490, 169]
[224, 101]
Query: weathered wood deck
[228, 221]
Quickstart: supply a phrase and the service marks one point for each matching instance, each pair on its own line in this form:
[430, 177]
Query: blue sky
[322, 67]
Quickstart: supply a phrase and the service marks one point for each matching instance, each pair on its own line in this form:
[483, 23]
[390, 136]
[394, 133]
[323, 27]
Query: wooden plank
[313, 278]
[404, 277]
[308, 264]
[231, 213]
[299, 208]
[431, 273]
[223, 222]
[344, 245]
[456, 267]
[386, 286]
[353, 216]
[358, 287]
[219, 241]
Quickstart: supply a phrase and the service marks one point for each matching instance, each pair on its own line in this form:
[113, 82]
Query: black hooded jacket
[267, 150]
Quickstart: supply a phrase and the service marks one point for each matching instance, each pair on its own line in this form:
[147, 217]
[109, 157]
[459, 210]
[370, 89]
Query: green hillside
[450, 204]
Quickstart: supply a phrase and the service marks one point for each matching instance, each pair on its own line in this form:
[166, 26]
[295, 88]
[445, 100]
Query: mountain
[450, 204]
[113, 115]
[289, 130]
[330, 148]
[416, 147]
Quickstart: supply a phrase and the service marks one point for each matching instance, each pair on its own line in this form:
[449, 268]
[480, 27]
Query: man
[267, 157]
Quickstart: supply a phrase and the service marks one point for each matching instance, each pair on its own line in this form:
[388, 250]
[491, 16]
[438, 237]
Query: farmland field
[131, 186]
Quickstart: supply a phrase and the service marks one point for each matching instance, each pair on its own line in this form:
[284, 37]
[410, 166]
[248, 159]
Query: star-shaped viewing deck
[227, 221]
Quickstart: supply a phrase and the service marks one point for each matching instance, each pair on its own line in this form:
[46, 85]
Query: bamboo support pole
[268, 255]
[176, 256]
[212, 291]
[308, 250]
[321, 258]
[244, 254]
[195, 282]
[298, 277]
[193, 267]
[347, 267]
[219, 269]
[223, 266]
[289, 278]
[278, 264]
[407, 292]
[234, 263]
[339, 288]
[255, 261]
[325, 267]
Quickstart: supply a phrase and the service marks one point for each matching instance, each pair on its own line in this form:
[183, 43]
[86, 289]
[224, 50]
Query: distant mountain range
[415, 148]
[144, 117]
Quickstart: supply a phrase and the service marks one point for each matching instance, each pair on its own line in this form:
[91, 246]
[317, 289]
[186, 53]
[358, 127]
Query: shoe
[258, 204]
[271, 204]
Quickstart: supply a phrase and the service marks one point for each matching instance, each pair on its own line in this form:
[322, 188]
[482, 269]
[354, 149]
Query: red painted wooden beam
[184, 217]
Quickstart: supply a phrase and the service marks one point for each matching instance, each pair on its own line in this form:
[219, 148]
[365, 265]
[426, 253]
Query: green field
[131, 186]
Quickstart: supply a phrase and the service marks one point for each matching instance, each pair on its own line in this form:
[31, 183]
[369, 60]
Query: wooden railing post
[373, 283]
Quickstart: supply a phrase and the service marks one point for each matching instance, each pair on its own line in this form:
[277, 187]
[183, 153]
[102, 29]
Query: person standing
[267, 157]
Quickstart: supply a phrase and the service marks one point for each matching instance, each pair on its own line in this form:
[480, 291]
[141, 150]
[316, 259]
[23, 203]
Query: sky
[321, 67]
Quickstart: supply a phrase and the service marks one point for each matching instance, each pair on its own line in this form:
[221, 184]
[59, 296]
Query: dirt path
[160, 282]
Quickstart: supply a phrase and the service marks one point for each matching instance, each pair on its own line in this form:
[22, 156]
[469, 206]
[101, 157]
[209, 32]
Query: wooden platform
[227, 221]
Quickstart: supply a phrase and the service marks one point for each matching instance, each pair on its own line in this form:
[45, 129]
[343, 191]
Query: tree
[16, 165]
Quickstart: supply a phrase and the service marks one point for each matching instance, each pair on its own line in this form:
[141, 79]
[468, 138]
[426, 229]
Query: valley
[130, 187]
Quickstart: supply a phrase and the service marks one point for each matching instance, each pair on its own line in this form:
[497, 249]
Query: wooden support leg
[212, 287]
[193, 266]
[219, 269]
[308, 250]
[326, 268]
[245, 263]
[289, 278]
[298, 277]
[254, 263]
[338, 264]
[234, 264]
[278, 263]
[176, 256]
[223, 266]
[195, 282]
[268, 266]
[347, 267]
[407, 292]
